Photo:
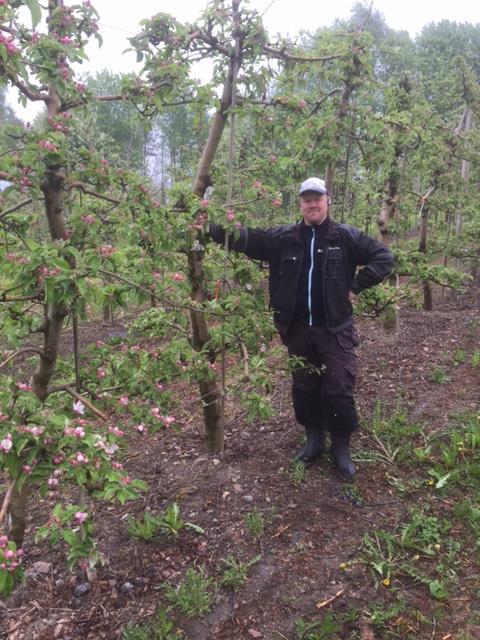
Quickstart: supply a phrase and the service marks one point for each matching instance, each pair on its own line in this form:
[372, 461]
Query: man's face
[314, 207]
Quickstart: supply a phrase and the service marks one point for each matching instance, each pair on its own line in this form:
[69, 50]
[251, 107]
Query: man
[313, 281]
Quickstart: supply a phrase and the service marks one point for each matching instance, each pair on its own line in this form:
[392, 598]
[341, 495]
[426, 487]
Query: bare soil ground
[313, 565]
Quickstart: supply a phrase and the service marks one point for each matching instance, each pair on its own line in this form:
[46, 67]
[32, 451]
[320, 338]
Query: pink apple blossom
[123, 401]
[6, 444]
[80, 517]
[178, 277]
[63, 71]
[116, 431]
[46, 145]
[106, 250]
[230, 215]
[79, 407]
[23, 386]
[11, 47]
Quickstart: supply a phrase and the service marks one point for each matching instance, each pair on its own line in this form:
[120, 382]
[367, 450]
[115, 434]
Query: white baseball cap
[313, 184]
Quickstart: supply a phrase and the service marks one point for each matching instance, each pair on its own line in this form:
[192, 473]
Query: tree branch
[21, 353]
[283, 55]
[35, 296]
[7, 499]
[29, 93]
[83, 187]
[110, 274]
[83, 400]
[15, 208]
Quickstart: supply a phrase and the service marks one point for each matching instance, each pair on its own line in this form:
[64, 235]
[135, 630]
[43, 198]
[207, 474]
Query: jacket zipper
[310, 273]
[324, 276]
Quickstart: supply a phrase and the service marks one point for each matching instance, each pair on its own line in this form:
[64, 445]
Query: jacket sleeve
[374, 257]
[254, 243]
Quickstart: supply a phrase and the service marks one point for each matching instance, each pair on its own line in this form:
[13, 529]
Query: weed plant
[169, 522]
[393, 434]
[255, 523]
[297, 472]
[195, 595]
[418, 549]
[236, 572]
[160, 628]
[325, 629]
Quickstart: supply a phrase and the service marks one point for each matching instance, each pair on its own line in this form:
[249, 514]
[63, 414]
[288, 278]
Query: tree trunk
[210, 392]
[388, 211]
[465, 125]
[351, 80]
[422, 246]
[52, 187]
[54, 314]
[17, 512]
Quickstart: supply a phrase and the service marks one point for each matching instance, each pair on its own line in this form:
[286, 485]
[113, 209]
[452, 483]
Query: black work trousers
[323, 377]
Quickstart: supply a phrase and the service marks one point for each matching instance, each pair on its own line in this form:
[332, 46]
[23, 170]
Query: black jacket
[282, 247]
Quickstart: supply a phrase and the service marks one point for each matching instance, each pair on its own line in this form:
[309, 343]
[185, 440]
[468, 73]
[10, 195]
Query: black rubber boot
[315, 445]
[340, 450]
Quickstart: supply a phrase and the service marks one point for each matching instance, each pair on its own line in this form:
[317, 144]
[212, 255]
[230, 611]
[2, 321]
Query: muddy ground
[306, 532]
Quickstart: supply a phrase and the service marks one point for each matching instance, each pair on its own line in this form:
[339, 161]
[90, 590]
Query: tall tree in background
[119, 119]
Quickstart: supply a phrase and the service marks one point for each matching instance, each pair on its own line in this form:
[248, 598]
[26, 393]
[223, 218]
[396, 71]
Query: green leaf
[195, 527]
[442, 481]
[437, 590]
[8, 190]
[69, 537]
[35, 12]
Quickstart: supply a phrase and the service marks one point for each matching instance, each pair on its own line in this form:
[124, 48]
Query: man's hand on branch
[200, 222]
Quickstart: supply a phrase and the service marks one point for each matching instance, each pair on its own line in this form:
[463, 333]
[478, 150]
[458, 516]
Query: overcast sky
[280, 16]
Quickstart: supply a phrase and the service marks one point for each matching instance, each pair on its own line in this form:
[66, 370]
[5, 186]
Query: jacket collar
[294, 232]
